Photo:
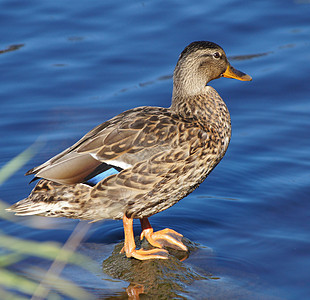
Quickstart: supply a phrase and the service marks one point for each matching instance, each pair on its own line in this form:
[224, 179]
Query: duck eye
[216, 55]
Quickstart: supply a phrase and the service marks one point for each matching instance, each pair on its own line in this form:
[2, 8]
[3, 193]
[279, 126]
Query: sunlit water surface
[66, 67]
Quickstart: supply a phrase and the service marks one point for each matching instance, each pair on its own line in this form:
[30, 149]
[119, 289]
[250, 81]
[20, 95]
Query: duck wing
[119, 143]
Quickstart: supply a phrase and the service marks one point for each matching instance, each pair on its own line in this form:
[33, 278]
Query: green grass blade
[18, 283]
[17, 162]
[45, 250]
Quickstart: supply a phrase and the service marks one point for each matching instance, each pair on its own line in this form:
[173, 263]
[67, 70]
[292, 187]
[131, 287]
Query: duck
[143, 160]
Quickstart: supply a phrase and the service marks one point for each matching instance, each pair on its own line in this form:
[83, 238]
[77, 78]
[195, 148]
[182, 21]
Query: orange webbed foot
[142, 254]
[163, 238]
[130, 247]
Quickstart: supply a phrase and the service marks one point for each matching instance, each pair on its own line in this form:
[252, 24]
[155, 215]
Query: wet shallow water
[66, 68]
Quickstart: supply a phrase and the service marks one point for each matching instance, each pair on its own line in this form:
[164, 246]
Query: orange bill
[236, 74]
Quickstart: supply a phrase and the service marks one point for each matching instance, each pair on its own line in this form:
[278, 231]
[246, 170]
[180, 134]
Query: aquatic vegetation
[43, 283]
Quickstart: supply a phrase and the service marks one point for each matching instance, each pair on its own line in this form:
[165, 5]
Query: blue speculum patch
[102, 176]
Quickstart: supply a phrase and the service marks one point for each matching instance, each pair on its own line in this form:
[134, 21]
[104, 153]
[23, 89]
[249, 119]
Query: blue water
[68, 66]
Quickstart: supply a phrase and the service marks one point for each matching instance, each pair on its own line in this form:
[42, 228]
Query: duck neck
[187, 82]
[207, 107]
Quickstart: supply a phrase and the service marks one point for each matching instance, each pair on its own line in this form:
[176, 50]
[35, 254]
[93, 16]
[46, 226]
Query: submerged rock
[155, 278]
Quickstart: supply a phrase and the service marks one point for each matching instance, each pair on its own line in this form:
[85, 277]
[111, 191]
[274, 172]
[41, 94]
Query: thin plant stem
[57, 266]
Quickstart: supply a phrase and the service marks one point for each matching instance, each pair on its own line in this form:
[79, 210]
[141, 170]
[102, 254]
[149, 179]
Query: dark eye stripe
[215, 55]
[206, 55]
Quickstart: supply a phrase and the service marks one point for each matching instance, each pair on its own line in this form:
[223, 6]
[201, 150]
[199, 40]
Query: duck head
[199, 63]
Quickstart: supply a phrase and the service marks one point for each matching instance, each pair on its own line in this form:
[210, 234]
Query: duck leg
[163, 238]
[130, 245]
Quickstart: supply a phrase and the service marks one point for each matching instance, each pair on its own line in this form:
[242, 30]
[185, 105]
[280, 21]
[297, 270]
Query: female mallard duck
[145, 159]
